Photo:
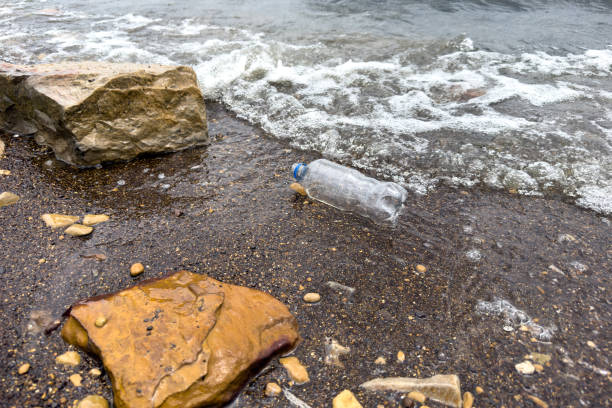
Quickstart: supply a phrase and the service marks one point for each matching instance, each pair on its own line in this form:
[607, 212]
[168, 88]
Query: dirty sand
[226, 210]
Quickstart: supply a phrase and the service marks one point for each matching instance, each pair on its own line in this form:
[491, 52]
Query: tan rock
[59, 220]
[272, 389]
[295, 369]
[417, 396]
[420, 268]
[100, 321]
[76, 380]
[24, 368]
[78, 230]
[186, 340]
[401, 357]
[95, 372]
[312, 297]
[479, 389]
[136, 269]
[346, 399]
[468, 399]
[442, 388]
[380, 361]
[92, 401]
[93, 219]
[538, 401]
[526, 367]
[5, 172]
[298, 188]
[69, 358]
[8, 198]
[91, 112]
[1, 149]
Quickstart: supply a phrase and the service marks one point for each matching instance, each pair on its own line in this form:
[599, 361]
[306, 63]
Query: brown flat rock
[186, 340]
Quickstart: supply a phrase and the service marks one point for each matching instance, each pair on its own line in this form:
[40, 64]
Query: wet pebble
[136, 269]
[479, 390]
[24, 368]
[380, 361]
[78, 230]
[312, 297]
[59, 220]
[346, 399]
[100, 321]
[93, 401]
[468, 400]
[8, 198]
[421, 268]
[526, 367]
[272, 389]
[76, 379]
[295, 369]
[417, 396]
[95, 372]
[401, 357]
[69, 358]
[93, 219]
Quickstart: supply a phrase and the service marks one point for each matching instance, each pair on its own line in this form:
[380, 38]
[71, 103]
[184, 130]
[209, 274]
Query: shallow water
[509, 94]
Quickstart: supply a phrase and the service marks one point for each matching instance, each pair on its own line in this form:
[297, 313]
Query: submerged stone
[78, 230]
[8, 198]
[186, 340]
[442, 388]
[59, 220]
[92, 112]
[93, 219]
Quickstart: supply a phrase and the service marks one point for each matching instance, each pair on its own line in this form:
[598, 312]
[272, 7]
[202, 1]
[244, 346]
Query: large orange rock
[92, 112]
[182, 341]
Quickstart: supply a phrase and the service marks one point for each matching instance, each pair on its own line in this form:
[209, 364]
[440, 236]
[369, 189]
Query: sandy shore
[226, 211]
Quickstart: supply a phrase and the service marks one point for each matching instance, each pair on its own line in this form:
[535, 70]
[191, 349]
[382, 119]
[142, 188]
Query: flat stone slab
[182, 341]
[93, 112]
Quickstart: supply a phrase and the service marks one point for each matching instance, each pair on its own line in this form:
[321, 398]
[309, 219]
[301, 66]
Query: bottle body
[349, 190]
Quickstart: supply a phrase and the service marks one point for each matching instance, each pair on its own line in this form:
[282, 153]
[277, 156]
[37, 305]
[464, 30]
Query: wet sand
[226, 211]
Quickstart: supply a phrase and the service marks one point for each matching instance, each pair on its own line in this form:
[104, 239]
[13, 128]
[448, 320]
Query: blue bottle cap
[299, 171]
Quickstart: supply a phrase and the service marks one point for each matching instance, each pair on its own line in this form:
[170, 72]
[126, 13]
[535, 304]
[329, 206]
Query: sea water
[506, 94]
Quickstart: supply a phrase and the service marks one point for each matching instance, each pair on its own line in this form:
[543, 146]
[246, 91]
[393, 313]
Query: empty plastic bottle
[349, 190]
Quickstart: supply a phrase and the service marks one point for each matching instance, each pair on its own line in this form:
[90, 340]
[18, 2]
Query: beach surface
[226, 211]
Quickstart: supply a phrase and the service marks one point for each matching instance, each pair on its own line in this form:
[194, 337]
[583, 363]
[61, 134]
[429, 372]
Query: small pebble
[272, 389]
[468, 400]
[93, 401]
[295, 369]
[100, 321]
[312, 297]
[525, 367]
[136, 269]
[417, 396]
[78, 230]
[24, 368]
[421, 268]
[380, 361]
[76, 379]
[479, 390]
[591, 344]
[346, 399]
[93, 219]
[538, 401]
[69, 358]
[5, 172]
[95, 372]
[8, 198]
[401, 356]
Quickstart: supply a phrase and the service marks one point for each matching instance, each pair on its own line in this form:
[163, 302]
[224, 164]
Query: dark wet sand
[234, 218]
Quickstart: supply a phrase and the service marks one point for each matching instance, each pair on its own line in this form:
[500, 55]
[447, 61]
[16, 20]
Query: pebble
[591, 344]
[538, 401]
[401, 357]
[312, 297]
[76, 379]
[468, 399]
[297, 187]
[346, 399]
[479, 390]
[100, 321]
[24, 368]
[95, 372]
[136, 269]
[380, 361]
[59, 220]
[78, 230]
[93, 219]
[93, 401]
[70, 358]
[538, 367]
[272, 389]
[8, 198]
[5, 172]
[417, 396]
[525, 367]
[295, 369]
[421, 268]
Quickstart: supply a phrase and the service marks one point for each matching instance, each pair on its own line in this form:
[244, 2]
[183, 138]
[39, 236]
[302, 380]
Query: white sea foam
[515, 317]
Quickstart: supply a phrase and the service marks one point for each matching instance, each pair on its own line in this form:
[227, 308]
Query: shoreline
[226, 210]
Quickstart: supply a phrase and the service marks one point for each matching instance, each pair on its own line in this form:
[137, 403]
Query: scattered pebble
[566, 238]
[121, 182]
[421, 268]
[380, 361]
[401, 357]
[59, 220]
[295, 369]
[76, 379]
[479, 390]
[92, 401]
[8, 198]
[5, 172]
[312, 297]
[78, 230]
[100, 321]
[538, 401]
[468, 399]
[70, 358]
[525, 367]
[346, 399]
[136, 269]
[95, 372]
[591, 344]
[24, 368]
[272, 389]
[538, 367]
[93, 219]
[417, 396]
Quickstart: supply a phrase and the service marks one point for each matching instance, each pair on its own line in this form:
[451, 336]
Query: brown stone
[92, 112]
[468, 399]
[78, 230]
[442, 388]
[183, 341]
[272, 389]
[346, 399]
[70, 358]
[76, 380]
[136, 269]
[295, 369]
[92, 401]
[24, 368]
[59, 220]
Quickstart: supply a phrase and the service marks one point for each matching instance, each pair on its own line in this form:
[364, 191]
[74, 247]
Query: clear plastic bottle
[349, 190]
